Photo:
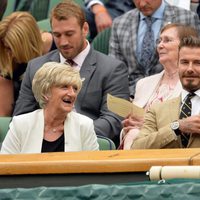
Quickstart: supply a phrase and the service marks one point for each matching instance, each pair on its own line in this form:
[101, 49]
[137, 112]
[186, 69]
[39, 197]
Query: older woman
[55, 127]
[159, 87]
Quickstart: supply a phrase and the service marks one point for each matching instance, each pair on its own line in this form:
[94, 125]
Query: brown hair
[182, 30]
[67, 9]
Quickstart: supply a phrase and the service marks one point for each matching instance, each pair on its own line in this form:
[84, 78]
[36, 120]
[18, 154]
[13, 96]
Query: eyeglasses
[165, 40]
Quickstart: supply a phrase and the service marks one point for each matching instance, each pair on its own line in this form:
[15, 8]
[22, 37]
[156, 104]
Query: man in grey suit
[101, 74]
[129, 30]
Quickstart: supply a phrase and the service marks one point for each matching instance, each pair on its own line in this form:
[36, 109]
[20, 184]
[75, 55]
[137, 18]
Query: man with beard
[176, 123]
[100, 73]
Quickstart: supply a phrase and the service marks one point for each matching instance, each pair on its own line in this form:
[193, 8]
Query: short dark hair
[190, 41]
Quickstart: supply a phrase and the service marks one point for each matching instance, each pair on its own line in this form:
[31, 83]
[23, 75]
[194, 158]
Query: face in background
[62, 98]
[167, 46]
[147, 7]
[69, 37]
[189, 68]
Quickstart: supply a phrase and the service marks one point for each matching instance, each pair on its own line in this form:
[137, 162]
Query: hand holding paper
[123, 107]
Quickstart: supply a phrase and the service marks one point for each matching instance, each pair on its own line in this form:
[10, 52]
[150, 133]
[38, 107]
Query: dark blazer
[102, 74]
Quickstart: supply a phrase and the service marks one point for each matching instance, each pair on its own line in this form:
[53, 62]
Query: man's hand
[190, 125]
[102, 18]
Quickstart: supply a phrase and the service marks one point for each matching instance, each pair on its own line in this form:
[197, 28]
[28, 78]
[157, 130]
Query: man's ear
[85, 29]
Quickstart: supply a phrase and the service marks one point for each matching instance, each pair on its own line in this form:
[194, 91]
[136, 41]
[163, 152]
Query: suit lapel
[174, 108]
[175, 112]
[86, 72]
[169, 15]
[133, 33]
[55, 57]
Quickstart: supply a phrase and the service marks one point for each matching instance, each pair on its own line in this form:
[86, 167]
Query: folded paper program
[123, 107]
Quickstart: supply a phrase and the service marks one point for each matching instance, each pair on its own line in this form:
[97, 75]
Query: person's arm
[6, 97]
[132, 122]
[156, 132]
[109, 124]
[102, 19]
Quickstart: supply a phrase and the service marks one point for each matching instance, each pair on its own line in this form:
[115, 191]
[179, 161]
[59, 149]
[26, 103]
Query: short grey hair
[53, 74]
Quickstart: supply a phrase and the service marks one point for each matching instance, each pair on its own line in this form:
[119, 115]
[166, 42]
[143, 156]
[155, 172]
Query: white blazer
[26, 132]
[147, 86]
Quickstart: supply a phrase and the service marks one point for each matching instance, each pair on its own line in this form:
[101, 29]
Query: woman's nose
[71, 90]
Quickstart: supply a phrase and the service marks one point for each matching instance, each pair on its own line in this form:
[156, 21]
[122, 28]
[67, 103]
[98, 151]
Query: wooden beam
[96, 161]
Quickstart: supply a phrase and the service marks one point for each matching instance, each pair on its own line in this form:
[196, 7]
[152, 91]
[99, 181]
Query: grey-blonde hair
[53, 74]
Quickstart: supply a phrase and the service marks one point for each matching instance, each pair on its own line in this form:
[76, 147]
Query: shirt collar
[158, 14]
[185, 93]
[79, 59]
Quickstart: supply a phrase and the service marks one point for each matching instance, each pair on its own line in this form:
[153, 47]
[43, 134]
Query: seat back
[105, 143]
[4, 125]
[101, 41]
[9, 8]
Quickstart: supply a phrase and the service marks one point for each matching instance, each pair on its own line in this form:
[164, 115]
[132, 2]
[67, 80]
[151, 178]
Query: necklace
[54, 130]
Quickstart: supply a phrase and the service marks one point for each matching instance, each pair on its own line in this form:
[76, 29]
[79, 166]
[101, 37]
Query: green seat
[101, 41]
[44, 25]
[10, 8]
[4, 125]
[105, 143]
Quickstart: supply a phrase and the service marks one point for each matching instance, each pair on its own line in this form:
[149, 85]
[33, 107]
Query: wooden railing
[96, 161]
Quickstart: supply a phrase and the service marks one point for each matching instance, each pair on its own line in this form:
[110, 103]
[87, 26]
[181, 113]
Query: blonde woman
[20, 41]
[55, 127]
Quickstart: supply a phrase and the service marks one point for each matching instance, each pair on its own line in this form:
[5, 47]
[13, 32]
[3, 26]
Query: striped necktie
[69, 62]
[186, 112]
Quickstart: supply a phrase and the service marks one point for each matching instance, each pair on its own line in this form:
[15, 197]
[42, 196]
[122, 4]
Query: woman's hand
[132, 122]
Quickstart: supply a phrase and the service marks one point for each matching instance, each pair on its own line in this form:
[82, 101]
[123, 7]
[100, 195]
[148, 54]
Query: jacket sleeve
[154, 134]
[26, 101]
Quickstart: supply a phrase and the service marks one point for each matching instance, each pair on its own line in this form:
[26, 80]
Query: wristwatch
[175, 127]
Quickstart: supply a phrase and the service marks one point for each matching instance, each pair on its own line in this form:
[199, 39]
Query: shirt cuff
[94, 2]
